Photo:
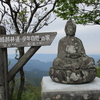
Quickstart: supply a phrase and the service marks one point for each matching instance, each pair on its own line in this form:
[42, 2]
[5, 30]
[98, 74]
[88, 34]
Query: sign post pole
[3, 70]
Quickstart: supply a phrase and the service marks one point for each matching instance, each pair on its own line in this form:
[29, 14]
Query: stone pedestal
[72, 76]
[57, 91]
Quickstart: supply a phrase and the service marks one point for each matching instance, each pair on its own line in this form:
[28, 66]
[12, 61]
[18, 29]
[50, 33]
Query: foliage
[9, 62]
[30, 93]
[33, 92]
[98, 71]
[82, 11]
[98, 62]
[25, 16]
[98, 68]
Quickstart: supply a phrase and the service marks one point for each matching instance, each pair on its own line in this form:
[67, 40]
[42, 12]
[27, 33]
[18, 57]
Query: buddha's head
[70, 28]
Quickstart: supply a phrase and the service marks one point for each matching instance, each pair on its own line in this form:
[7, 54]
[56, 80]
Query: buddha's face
[70, 29]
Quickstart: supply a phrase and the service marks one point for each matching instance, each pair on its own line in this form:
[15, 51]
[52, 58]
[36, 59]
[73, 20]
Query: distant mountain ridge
[41, 57]
[34, 76]
[31, 64]
[50, 57]
[38, 66]
[41, 61]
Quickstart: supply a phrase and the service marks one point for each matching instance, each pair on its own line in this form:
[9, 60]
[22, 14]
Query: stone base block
[57, 91]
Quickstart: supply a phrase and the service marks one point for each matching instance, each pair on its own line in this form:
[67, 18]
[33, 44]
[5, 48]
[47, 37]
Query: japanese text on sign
[13, 39]
[26, 40]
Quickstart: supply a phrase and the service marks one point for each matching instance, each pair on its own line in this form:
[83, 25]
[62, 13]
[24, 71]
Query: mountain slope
[31, 64]
[34, 76]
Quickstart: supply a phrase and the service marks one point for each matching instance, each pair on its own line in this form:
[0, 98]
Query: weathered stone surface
[79, 95]
[72, 76]
[72, 65]
[56, 91]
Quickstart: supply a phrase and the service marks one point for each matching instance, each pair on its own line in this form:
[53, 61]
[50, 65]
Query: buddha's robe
[71, 54]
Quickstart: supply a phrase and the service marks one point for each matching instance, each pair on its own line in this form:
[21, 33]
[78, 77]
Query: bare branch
[44, 4]
[31, 17]
[13, 15]
[22, 81]
[35, 2]
[34, 30]
[2, 12]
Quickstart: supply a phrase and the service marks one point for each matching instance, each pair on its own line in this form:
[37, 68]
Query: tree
[82, 11]
[25, 16]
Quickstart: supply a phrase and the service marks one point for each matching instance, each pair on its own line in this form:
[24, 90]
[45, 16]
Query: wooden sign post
[35, 41]
[3, 69]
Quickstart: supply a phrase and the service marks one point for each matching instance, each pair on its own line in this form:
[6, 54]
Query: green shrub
[98, 71]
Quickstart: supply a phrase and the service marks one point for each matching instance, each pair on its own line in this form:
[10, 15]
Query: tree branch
[32, 14]
[22, 80]
[30, 19]
[34, 30]
[11, 90]
[14, 16]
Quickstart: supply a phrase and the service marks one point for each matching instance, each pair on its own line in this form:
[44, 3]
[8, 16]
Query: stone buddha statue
[72, 65]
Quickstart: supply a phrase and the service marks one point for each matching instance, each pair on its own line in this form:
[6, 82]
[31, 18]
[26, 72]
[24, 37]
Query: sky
[89, 35]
